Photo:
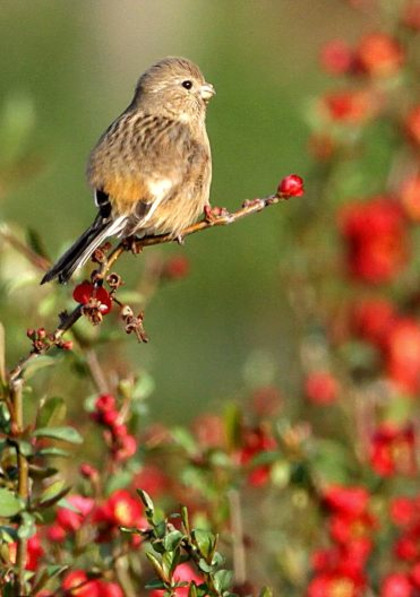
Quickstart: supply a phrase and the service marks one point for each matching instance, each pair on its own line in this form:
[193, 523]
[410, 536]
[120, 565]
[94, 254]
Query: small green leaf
[8, 534]
[53, 412]
[204, 566]
[54, 492]
[10, 505]
[156, 583]
[27, 526]
[53, 452]
[205, 542]
[157, 565]
[184, 439]
[65, 434]
[185, 519]
[266, 592]
[222, 580]
[172, 540]
[192, 591]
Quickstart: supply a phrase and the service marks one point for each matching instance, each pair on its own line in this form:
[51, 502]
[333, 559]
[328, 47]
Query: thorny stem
[215, 217]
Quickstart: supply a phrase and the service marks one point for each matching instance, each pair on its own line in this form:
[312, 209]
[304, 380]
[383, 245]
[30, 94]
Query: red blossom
[376, 239]
[254, 442]
[290, 186]
[87, 293]
[402, 354]
[409, 196]
[336, 57]
[393, 450]
[403, 510]
[35, 552]
[183, 573]
[321, 388]
[372, 318]
[350, 106]
[396, 585]
[379, 55]
[120, 509]
[76, 583]
[351, 501]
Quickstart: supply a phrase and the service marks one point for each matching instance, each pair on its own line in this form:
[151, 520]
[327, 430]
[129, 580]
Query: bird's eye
[187, 84]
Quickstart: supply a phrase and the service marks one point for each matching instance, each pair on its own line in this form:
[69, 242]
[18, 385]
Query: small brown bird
[151, 169]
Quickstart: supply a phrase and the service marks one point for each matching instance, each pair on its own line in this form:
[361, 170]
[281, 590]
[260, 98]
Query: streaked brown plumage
[151, 169]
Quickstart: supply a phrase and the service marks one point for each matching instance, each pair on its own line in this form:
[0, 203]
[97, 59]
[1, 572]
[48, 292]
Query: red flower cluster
[376, 241]
[290, 186]
[376, 55]
[121, 443]
[342, 567]
[396, 337]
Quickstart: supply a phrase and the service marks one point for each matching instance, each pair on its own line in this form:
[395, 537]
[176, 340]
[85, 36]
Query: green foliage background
[69, 68]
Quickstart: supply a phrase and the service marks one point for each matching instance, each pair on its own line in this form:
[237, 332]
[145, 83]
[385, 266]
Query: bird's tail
[80, 251]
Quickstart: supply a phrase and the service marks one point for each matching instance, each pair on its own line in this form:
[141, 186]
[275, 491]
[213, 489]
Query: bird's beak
[207, 91]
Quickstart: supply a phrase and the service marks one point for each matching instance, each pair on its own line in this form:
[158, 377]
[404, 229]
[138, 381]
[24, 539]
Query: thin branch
[214, 217]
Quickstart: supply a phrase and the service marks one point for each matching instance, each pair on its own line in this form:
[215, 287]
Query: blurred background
[69, 68]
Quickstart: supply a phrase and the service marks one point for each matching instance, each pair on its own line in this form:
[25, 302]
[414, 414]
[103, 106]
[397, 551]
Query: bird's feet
[213, 213]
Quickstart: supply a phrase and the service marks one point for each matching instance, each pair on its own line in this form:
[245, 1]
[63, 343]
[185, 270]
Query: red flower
[290, 186]
[402, 354]
[372, 318]
[176, 267]
[254, 442]
[321, 388]
[350, 107]
[183, 573]
[351, 501]
[393, 450]
[409, 196]
[97, 296]
[336, 57]
[77, 583]
[376, 239]
[35, 552]
[396, 585]
[403, 510]
[121, 509]
[69, 519]
[379, 55]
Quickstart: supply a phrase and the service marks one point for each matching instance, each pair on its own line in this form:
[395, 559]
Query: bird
[151, 169]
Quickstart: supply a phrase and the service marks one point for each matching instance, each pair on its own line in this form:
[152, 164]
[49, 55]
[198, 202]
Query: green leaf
[2, 355]
[172, 540]
[157, 565]
[148, 505]
[10, 504]
[54, 492]
[205, 541]
[192, 591]
[53, 412]
[8, 534]
[37, 364]
[53, 452]
[65, 434]
[232, 421]
[184, 439]
[204, 566]
[170, 560]
[185, 519]
[156, 583]
[27, 526]
[266, 592]
[36, 242]
[222, 580]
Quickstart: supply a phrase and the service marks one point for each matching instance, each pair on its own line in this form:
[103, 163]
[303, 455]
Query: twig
[214, 217]
[239, 560]
[17, 425]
